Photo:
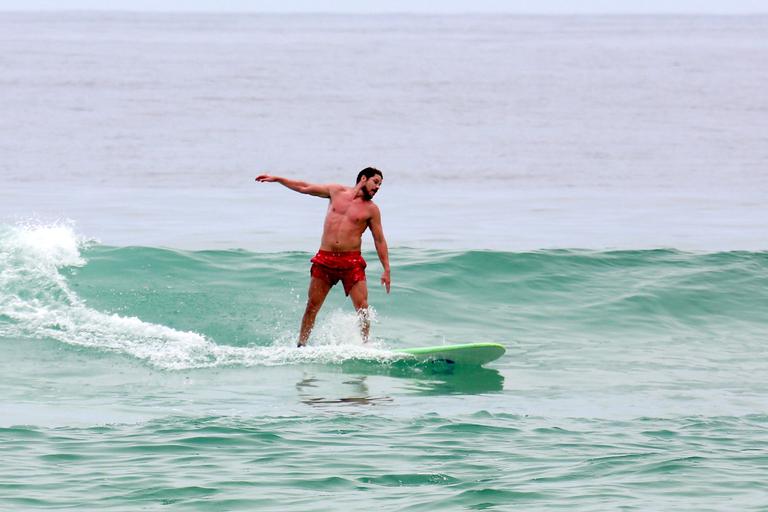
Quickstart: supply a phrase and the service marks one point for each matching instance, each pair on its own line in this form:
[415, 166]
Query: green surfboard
[470, 354]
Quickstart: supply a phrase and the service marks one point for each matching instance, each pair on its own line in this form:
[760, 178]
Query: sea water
[587, 191]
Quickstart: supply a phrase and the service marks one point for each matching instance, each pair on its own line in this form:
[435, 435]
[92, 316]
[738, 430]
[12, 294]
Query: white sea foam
[37, 301]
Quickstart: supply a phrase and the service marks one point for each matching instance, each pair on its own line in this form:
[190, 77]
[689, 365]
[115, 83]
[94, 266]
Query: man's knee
[313, 305]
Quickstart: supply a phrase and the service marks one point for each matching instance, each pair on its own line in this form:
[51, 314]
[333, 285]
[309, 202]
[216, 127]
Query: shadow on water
[425, 379]
[360, 393]
[435, 377]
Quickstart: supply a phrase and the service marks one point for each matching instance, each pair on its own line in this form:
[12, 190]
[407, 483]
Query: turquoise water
[135, 378]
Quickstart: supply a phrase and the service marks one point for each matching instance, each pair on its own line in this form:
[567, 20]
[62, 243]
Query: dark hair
[368, 172]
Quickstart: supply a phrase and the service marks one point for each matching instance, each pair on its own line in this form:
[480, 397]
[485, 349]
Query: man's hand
[299, 186]
[266, 178]
[385, 280]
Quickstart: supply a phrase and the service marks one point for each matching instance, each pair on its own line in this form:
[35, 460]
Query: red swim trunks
[332, 267]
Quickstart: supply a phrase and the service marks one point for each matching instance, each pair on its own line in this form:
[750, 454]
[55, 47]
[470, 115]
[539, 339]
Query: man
[350, 212]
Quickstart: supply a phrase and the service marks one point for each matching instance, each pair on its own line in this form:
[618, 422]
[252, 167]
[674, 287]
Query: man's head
[371, 179]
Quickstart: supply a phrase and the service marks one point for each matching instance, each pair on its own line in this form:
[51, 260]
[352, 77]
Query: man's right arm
[299, 186]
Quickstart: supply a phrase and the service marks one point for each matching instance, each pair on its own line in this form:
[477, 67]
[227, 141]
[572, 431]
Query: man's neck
[359, 193]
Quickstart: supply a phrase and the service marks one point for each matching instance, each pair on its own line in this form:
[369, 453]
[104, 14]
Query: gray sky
[422, 6]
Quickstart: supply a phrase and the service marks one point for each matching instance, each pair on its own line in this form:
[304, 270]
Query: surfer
[351, 211]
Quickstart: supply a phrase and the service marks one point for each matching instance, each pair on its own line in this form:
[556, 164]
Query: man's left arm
[381, 245]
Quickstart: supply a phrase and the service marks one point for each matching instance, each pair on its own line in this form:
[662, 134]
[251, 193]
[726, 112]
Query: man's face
[371, 185]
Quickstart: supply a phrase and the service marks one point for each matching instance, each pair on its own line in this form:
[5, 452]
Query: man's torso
[346, 221]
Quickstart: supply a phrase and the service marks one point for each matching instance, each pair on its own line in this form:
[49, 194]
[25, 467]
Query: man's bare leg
[318, 290]
[359, 296]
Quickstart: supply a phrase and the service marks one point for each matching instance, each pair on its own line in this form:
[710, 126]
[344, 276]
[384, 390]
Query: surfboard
[473, 354]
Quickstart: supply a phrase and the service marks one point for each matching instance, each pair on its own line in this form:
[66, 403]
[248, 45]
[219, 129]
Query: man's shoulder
[337, 187]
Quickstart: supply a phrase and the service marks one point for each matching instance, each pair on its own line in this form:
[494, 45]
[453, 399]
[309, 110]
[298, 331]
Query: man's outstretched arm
[299, 186]
[381, 246]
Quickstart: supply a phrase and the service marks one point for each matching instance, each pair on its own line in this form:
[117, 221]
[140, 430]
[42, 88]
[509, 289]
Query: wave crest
[36, 301]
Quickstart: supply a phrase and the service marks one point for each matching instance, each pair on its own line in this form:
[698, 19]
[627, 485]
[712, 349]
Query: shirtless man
[350, 212]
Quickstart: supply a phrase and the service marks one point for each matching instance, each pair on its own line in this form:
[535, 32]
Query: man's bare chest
[350, 211]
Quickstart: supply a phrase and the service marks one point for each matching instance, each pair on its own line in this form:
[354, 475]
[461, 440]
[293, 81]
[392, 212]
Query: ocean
[587, 191]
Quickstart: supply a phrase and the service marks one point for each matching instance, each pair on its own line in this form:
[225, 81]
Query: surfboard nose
[475, 354]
